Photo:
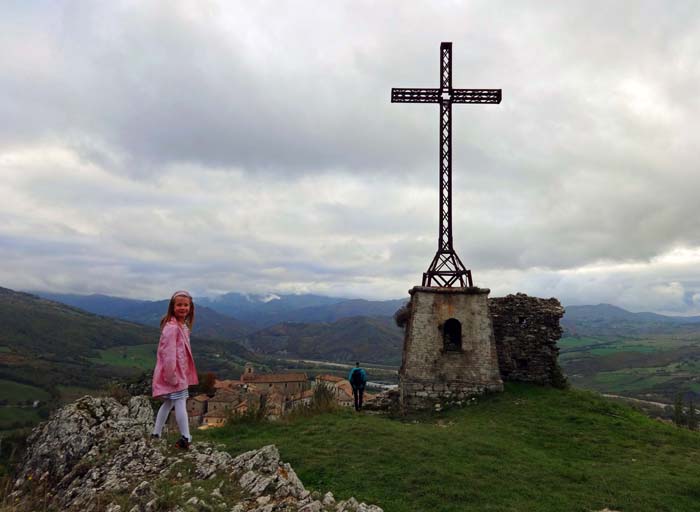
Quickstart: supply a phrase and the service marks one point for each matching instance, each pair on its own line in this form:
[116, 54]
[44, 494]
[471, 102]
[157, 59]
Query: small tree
[678, 416]
[206, 384]
[692, 420]
[323, 399]
[403, 315]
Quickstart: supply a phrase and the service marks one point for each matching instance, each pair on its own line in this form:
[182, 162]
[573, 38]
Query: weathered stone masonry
[449, 351]
[526, 330]
[511, 338]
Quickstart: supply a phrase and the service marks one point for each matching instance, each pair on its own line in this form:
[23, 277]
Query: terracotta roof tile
[308, 393]
[222, 395]
[273, 378]
[329, 378]
[228, 383]
[345, 386]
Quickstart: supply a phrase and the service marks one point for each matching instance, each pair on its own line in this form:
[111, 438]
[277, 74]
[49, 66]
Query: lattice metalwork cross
[446, 269]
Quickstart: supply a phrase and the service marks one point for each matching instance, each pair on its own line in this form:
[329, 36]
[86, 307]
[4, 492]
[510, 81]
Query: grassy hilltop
[528, 449]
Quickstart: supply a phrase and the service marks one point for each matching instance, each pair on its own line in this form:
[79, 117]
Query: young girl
[175, 369]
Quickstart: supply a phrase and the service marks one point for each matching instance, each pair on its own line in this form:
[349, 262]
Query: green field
[652, 367]
[568, 343]
[136, 356]
[17, 417]
[528, 449]
[14, 392]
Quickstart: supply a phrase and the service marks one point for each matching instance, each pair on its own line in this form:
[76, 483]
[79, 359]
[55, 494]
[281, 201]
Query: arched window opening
[452, 335]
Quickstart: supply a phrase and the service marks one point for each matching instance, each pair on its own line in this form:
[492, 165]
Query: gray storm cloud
[253, 147]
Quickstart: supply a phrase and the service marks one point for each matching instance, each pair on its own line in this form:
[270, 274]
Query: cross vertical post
[446, 269]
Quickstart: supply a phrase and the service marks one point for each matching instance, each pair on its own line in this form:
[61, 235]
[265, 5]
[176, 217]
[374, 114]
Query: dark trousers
[357, 395]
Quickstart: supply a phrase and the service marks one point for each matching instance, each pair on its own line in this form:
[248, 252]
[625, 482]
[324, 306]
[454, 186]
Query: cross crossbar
[434, 95]
[446, 268]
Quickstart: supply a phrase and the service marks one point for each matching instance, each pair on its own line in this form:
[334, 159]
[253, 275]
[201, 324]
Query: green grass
[528, 449]
[15, 392]
[17, 417]
[137, 356]
[653, 367]
[578, 342]
[624, 348]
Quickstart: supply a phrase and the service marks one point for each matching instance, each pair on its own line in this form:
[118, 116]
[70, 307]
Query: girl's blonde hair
[189, 319]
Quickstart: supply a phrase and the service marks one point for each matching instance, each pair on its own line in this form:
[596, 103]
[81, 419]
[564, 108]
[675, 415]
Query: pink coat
[175, 369]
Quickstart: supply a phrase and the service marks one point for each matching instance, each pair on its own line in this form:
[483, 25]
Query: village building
[224, 400]
[272, 391]
[197, 408]
[330, 380]
[341, 388]
[229, 384]
[224, 404]
[285, 384]
[344, 396]
[214, 419]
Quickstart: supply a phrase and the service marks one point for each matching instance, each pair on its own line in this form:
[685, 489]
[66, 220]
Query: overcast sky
[252, 147]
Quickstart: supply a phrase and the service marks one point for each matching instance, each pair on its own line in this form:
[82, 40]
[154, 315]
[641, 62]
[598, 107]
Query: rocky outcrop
[95, 455]
[386, 401]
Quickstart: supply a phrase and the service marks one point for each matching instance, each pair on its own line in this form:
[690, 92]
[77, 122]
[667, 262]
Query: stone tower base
[449, 352]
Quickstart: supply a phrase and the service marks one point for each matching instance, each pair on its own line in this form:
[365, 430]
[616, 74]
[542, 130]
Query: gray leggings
[180, 416]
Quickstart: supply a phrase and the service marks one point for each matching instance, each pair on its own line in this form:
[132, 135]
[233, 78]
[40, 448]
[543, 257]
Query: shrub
[403, 315]
[323, 399]
[119, 393]
[256, 413]
[678, 414]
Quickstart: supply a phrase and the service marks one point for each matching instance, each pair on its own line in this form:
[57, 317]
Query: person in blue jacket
[358, 380]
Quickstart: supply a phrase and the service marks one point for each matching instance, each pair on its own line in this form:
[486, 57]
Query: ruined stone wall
[429, 373]
[526, 331]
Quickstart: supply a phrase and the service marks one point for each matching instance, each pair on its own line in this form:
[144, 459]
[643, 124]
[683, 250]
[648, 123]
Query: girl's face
[182, 308]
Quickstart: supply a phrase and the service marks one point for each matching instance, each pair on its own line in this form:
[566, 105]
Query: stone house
[285, 384]
[230, 384]
[214, 419]
[344, 396]
[196, 408]
[223, 409]
[224, 400]
[327, 379]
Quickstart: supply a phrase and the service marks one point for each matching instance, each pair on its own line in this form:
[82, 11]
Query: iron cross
[446, 268]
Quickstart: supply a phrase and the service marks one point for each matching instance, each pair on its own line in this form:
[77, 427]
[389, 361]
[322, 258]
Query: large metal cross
[446, 268]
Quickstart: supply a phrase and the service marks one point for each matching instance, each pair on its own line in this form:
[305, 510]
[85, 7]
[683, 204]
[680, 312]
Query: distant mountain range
[606, 320]
[376, 340]
[264, 311]
[209, 323]
[234, 315]
[293, 326]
